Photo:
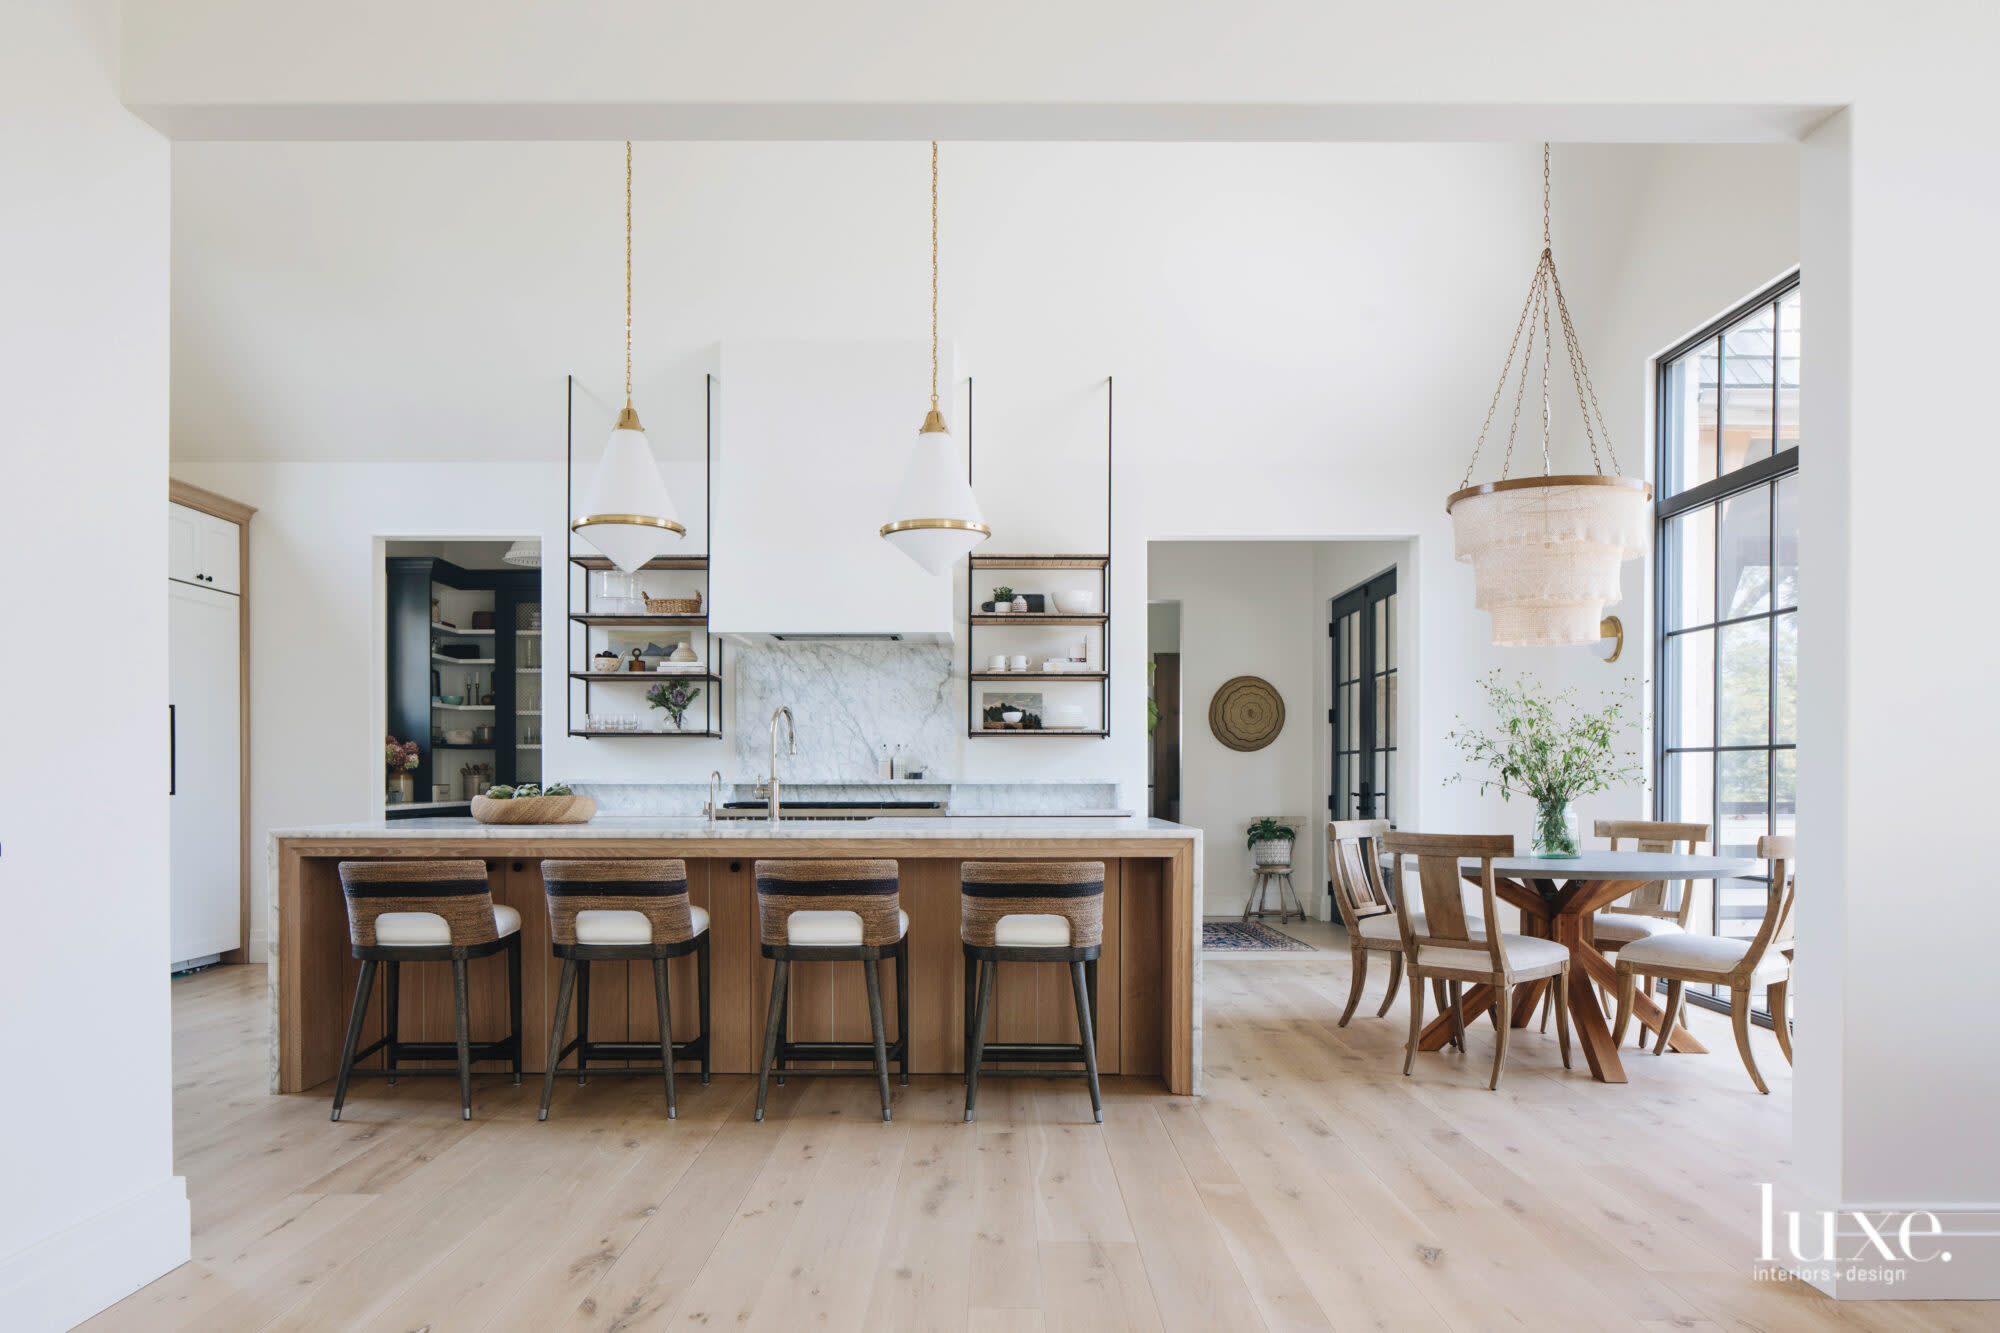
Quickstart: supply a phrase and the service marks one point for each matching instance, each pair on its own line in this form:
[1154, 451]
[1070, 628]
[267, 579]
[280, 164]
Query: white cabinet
[204, 662]
[203, 549]
[811, 444]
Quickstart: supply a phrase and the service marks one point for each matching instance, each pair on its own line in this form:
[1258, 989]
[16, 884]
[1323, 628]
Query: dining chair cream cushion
[1031, 930]
[1629, 926]
[411, 930]
[833, 928]
[1382, 926]
[1699, 953]
[1524, 953]
[619, 926]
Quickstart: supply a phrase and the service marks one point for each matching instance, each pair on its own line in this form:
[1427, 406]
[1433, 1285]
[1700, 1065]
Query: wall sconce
[1610, 639]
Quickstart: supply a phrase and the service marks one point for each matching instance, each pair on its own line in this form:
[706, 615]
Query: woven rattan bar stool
[426, 911]
[1031, 912]
[623, 912]
[833, 911]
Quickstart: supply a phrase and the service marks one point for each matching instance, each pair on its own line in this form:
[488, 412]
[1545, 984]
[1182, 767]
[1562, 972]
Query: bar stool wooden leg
[514, 1000]
[582, 1020]
[665, 1007]
[392, 996]
[903, 1011]
[774, 1021]
[701, 1000]
[564, 989]
[784, 1027]
[463, 1013]
[1086, 1027]
[874, 968]
[978, 1051]
[360, 1011]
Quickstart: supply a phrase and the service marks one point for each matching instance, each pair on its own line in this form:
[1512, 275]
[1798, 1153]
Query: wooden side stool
[833, 911]
[426, 911]
[1031, 912]
[623, 911]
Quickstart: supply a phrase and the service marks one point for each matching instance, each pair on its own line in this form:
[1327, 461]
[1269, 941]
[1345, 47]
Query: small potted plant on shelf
[1003, 598]
[674, 699]
[1270, 842]
[1551, 750]
[401, 758]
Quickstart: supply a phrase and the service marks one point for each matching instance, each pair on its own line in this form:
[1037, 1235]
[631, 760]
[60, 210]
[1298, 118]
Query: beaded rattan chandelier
[1545, 551]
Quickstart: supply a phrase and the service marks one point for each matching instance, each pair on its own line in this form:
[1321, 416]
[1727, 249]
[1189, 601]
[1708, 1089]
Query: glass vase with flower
[1552, 750]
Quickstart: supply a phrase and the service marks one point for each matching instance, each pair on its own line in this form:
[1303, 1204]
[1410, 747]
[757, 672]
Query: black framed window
[1362, 623]
[1726, 605]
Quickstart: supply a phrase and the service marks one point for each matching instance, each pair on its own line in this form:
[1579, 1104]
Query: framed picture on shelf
[1010, 711]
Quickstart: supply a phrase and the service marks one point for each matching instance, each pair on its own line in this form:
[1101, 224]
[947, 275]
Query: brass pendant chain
[1545, 307]
[934, 275]
[628, 273]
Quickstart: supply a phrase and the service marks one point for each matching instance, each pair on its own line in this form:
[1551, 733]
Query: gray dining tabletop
[1596, 864]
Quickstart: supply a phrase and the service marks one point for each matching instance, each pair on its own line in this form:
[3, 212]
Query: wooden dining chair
[1367, 911]
[1719, 960]
[1443, 942]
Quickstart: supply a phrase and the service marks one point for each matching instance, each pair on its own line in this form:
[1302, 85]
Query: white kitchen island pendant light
[1545, 551]
[627, 513]
[936, 518]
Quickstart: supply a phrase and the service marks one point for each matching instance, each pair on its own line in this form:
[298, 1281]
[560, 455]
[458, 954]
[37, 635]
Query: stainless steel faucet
[714, 794]
[791, 735]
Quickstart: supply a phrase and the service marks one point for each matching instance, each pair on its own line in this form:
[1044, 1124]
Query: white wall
[1246, 609]
[92, 1209]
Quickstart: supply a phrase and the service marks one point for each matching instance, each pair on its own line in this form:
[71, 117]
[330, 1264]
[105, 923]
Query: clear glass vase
[1555, 835]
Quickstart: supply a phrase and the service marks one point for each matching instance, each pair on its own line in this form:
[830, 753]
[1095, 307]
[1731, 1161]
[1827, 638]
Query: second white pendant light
[936, 518]
[627, 513]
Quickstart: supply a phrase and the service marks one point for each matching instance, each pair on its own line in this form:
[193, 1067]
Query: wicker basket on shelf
[674, 606]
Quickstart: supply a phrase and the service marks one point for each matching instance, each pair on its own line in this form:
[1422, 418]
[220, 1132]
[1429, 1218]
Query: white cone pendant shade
[936, 519]
[627, 513]
[1545, 552]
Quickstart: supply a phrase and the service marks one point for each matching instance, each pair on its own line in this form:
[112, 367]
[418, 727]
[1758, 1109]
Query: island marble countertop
[996, 828]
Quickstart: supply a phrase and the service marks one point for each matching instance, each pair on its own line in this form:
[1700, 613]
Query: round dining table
[1556, 898]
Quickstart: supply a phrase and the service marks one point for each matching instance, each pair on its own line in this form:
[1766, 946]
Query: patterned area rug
[1247, 937]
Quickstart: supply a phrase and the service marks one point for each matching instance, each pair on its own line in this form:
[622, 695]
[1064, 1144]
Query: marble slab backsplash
[848, 700]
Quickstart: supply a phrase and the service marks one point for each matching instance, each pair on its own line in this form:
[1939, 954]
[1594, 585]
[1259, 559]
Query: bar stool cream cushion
[1628, 926]
[1382, 926]
[1700, 953]
[427, 929]
[1031, 930]
[833, 928]
[1525, 953]
[623, 926]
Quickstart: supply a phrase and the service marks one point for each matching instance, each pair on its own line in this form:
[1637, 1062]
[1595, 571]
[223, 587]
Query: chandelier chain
[628, 272]
[1506, 373]
[934, 275]
[1547, 306]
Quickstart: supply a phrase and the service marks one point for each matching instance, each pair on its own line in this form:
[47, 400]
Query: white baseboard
[66, 1278]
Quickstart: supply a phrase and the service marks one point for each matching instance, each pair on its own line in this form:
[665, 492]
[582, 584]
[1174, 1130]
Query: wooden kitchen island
[1149, 1019]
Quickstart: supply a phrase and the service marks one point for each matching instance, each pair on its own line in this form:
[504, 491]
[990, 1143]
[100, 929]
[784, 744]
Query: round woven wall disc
[1246, 713]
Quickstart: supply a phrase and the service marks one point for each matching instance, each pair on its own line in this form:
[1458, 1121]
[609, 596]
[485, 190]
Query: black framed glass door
[1362, 624]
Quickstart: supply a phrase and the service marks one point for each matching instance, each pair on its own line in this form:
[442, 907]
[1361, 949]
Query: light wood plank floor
[1313, 1187]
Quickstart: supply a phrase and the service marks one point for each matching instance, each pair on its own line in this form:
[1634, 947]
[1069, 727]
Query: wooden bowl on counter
[535, 810]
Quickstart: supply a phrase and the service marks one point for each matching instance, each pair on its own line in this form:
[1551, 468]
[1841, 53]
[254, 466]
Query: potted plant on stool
[1271, 842]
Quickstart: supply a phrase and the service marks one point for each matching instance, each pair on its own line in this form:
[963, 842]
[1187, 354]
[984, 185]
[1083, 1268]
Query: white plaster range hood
[810, 443]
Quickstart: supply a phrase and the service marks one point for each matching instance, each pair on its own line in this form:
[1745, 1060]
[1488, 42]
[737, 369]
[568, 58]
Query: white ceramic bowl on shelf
[1076, 602]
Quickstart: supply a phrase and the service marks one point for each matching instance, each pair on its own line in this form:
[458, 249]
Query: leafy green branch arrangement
[1547, 746]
